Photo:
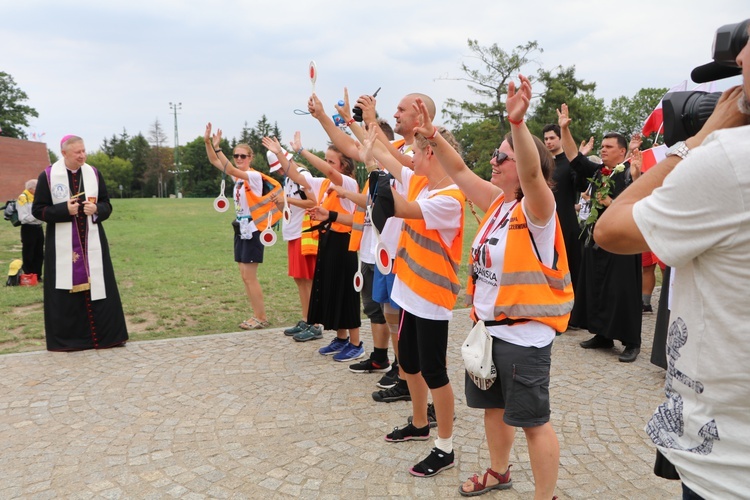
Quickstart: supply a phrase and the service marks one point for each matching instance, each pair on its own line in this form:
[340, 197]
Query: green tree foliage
[478, 140]
[490, 82]
[52, 156]
[116, 172]
[13, 114]
[140, 151]
[627, 114]
[561, 86]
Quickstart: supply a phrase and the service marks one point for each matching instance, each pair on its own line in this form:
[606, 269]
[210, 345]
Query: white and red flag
[653, 156]
[655, 121]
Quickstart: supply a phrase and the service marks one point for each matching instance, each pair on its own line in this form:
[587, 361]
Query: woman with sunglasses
[248, 193]
[521, 288]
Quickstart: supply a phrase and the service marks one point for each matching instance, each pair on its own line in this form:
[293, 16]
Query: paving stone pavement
[257, 415]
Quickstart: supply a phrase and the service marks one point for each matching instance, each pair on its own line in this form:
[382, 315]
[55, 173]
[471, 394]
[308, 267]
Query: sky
[96, 68]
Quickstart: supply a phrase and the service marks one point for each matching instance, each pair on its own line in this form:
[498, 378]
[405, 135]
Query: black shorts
[248, 251]
[522, 385]
[422, 347]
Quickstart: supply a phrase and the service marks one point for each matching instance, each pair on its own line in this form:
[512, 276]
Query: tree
[627, 114]
[561, 86]
[139, 156]
[13, 114]
[254, 138]
[116, 172]
[158, 162]
[489, 82]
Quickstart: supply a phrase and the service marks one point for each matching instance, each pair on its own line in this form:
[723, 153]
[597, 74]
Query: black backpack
[10, 212]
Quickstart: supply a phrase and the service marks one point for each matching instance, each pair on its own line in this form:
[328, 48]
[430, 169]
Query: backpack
[10, 212]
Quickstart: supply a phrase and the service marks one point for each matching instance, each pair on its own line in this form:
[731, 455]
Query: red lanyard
[486, 234]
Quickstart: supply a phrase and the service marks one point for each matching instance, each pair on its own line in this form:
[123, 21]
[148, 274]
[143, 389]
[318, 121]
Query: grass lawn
[175, 269]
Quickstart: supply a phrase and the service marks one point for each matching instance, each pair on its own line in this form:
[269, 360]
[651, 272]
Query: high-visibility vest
[424, 263]
[358, 224]
[332, 202]
[309, 237]
[261, 206]
[527, 288]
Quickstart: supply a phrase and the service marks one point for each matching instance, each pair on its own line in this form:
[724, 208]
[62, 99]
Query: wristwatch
[678, 149]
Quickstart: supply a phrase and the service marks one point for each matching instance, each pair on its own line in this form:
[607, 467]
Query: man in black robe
[82, 308]
[608, 292]
[566, 197]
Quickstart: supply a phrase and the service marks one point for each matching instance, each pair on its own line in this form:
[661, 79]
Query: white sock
[444, 444]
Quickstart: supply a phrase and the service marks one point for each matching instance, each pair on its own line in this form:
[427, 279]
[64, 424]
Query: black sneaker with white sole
[389, 379]
[370, 366]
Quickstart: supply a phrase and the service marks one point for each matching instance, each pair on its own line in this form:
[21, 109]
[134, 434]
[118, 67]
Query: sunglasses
[236, 156]
[500, 157]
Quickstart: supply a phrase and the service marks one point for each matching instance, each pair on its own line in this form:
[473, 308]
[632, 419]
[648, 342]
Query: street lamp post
[176, 107]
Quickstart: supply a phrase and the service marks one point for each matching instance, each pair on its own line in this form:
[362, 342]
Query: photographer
[693, 211]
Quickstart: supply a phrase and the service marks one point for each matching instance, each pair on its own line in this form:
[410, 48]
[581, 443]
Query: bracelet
[299, 151]
[332, 216]
[434, 133]
[515, 122]
[349, 122]
[217, 150]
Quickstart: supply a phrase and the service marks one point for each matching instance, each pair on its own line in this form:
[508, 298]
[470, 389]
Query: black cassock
[72, 321]
[608, 293]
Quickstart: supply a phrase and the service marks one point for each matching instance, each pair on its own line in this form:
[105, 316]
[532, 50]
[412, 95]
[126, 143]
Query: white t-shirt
[293, 229]
[699, 223]
[348, 184]
[442, 213]
[489, 268]
[255, 181]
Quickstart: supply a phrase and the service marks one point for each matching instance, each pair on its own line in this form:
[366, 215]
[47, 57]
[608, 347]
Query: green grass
[175, 269]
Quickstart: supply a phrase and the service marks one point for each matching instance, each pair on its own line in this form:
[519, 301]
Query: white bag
[477, 354]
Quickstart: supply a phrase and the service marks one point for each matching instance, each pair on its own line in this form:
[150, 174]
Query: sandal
[482, 488]
[254, 324]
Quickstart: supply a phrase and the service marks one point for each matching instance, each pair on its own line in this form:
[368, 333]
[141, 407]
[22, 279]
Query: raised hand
[518, 100]
[315, 107]
[635, 142]
[365, 147]
[425, 126]
[345, 110]
[272, 144]
[563, 120]
[636, 162]
[586, 147]
[367, 104]
[296, 143]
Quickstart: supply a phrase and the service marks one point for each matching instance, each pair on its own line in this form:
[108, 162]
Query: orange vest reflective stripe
[424, 263]
[261, 206]
[527, 288]
[358, 224]
[333, 202]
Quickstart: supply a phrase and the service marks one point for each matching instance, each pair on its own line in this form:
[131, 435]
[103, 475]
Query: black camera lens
[685, 113]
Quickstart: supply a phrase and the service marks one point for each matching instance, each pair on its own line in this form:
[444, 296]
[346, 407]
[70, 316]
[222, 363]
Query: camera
[686, 112]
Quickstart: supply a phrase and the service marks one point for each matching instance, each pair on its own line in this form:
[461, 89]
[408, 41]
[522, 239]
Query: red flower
[606, 171]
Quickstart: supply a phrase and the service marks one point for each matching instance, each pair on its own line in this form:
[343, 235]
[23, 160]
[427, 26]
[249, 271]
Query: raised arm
[323, 166]
[538, 198]
[216, 155]
[476, 189]
[290, 170]
[568, 143]
[339, 138]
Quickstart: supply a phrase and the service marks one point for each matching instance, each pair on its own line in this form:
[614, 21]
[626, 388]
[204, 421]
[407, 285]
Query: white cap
[273, 160]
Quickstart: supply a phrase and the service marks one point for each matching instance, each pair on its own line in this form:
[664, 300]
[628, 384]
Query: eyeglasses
[500, 157]
[236, 156]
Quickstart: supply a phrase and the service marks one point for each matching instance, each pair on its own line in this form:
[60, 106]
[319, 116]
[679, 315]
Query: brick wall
[19, 161]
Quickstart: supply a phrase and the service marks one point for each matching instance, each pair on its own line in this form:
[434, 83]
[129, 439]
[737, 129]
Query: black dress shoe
[597, 342]
[629, 354]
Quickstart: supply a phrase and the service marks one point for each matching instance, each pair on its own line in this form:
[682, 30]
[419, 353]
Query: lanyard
[487, 231]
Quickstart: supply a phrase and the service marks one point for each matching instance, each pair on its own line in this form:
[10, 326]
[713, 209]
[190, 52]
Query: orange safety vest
[358, 224]
[261, 206]
[527, 288]
[333, 202]
[424, 263]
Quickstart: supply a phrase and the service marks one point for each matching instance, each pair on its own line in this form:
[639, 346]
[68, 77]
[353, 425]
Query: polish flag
[653, 156]
[655, 121]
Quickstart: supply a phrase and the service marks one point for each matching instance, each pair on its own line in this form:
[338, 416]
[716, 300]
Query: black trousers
[32, 242]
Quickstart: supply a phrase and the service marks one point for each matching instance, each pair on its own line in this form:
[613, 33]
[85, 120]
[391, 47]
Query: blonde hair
[245, 145]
